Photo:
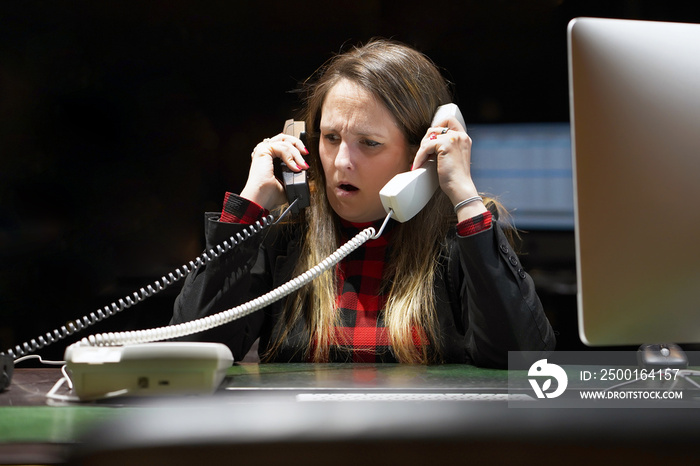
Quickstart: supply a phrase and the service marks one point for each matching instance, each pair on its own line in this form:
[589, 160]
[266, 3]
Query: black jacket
[487, 304]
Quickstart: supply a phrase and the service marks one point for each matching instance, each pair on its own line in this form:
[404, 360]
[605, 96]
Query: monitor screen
[527, 166]
[635, 121]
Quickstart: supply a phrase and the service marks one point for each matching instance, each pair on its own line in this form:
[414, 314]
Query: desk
[29, 386]
[253, 419]
[33, 429]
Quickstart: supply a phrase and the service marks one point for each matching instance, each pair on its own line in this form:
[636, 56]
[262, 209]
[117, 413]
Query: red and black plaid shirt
[361, 336]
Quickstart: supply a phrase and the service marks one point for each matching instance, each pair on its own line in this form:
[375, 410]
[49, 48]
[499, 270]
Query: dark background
[121, 122]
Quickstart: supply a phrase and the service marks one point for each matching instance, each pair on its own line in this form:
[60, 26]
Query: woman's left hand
[450, 146]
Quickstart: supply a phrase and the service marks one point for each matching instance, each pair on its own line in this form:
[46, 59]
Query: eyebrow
[362, 132]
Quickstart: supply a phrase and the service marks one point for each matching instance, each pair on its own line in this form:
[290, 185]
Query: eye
[371, 143]
[331, 137]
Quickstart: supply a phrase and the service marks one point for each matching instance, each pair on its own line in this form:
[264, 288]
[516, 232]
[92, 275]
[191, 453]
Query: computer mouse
[662, 356]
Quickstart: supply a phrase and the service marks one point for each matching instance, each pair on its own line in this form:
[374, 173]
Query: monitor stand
[661, 356]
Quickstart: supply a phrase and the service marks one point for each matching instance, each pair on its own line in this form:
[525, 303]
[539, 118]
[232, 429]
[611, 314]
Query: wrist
[466, 201]
[460, 189]
[470, 209]
[259, 196]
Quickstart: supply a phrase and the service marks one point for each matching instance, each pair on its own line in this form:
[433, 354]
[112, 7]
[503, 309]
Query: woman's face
[361, 149]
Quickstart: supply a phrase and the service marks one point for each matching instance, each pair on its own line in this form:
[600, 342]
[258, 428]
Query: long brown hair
[411, 87]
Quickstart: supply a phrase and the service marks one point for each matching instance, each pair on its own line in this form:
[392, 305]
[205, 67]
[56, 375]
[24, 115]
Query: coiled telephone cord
[143, 293]
[205, 323]
[224, 317]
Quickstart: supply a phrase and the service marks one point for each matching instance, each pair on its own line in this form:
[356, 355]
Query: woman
[443, 287]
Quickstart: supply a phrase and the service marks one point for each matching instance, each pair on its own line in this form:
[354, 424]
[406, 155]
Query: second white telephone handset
[407, 193]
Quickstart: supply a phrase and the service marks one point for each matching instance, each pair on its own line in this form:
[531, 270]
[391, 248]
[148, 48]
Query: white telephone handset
[407, 193]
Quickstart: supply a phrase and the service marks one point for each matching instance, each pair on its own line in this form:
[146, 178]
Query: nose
[344, 158]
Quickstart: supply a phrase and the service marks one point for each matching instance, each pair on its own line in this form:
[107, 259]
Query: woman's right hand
[262, 186]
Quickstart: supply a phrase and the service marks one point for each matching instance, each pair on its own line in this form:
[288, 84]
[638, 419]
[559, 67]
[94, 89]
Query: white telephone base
[163, 368]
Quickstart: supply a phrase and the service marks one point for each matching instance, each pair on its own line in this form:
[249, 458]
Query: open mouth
[348, 187]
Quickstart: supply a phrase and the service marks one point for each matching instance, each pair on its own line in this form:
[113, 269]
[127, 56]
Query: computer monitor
[635, 115]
